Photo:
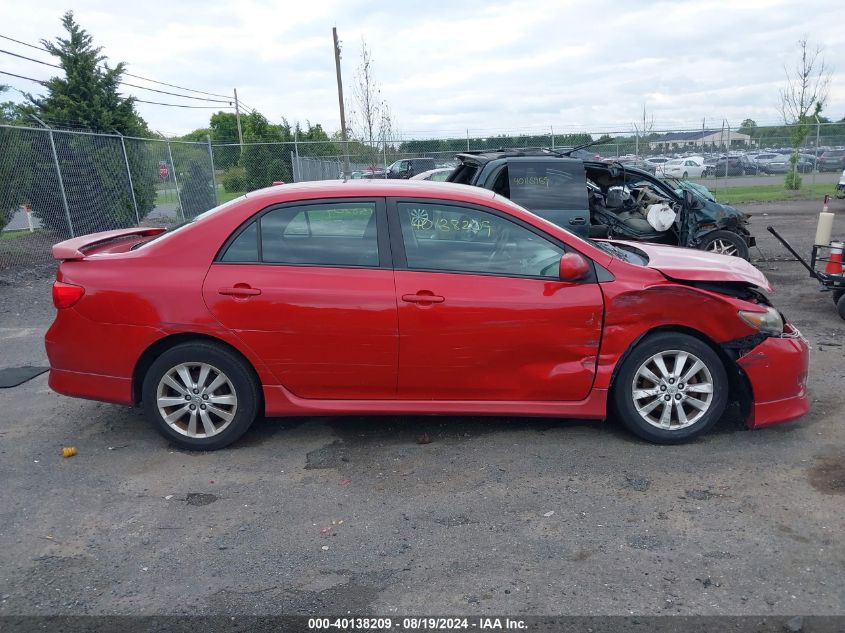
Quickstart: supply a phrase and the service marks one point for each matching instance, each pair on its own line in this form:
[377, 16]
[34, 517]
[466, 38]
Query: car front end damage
[771, 376]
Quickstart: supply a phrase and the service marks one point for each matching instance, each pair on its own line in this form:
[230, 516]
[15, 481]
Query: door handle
[423, 297]
[577, 221]
[240, 290]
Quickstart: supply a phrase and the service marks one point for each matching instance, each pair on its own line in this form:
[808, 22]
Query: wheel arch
[162, 345]
[738, 383]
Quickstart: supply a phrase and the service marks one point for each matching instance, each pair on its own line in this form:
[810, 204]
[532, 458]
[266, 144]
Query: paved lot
[333, 515]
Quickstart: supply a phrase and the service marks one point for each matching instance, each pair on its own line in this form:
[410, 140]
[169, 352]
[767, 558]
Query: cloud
[446, 67]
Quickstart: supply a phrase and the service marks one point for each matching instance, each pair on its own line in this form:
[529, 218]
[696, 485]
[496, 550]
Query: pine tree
[93, 170]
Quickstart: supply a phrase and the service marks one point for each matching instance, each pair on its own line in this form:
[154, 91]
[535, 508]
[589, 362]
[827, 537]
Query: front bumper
[777, 373]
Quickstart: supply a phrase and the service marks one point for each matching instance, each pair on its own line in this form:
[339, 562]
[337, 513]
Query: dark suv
[409, 167]
[610, 200]
[734, 166]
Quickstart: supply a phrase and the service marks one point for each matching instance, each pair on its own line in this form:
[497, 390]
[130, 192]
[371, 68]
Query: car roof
[487, 155]
[365, 188]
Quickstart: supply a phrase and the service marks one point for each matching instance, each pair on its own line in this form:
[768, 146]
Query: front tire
[201, 396]
[671, 388]
[725, 243]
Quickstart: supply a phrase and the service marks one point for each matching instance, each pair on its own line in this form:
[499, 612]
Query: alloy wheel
[196, 400]
[723, 247]
[672, 390]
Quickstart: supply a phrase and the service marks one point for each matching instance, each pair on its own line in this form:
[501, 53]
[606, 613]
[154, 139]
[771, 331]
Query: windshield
[699, 191]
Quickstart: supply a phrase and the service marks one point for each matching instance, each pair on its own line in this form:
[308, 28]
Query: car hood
[687, 264]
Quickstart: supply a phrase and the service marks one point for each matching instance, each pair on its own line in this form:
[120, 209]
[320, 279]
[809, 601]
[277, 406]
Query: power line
[30, 59]
[179, 105]
[162, 83]
[171, 105]
[202, 92]
[38, 81]
[122, 83]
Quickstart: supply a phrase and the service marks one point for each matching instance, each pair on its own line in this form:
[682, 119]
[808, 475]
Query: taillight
[66, 295]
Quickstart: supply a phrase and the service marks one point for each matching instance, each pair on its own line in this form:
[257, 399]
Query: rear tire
[837, 294]
[725, 243]
[201, 396]
[681, 368]
[840, 306]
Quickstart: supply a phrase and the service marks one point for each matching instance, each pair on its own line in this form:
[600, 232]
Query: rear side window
[335, 234]
[548, 186]
[244, 248]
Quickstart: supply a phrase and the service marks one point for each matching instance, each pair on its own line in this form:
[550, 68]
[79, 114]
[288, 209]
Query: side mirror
[573, 267]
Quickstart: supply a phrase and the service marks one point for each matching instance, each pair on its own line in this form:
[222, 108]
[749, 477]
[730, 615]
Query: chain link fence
[56, 184]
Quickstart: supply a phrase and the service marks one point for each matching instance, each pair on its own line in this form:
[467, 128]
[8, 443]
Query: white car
[684, 168]
[658, 162]
[439, 174]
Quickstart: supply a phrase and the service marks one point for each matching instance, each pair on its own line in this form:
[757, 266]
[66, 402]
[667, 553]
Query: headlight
[768, 322]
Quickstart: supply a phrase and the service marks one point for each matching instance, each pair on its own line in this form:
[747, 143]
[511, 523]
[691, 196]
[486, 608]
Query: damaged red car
[409, 298]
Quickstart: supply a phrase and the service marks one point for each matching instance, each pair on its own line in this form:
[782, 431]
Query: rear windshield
[177, 227]
[464, 174]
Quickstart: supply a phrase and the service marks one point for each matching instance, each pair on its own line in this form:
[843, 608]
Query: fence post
[384, 155]
[467, 139]
[296, 169]
[816, 154]
[211, 160]
[175, 180]
[58, 173]
[129, 174]
[552, 129]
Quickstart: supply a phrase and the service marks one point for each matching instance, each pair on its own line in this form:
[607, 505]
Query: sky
[447, 67]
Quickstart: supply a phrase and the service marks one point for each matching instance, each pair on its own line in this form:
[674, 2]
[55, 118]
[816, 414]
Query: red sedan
[412, 297]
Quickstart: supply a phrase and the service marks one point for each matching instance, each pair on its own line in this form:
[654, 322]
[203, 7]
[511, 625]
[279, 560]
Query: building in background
[700, 138]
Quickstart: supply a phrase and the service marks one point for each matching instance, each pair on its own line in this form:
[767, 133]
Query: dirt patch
[828, 475]
[200, 499]
[329, 456]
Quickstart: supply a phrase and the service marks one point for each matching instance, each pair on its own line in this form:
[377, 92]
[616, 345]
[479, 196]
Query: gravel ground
[494, 515]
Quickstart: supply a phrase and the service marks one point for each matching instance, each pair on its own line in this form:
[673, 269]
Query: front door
[482, 313]
[310, 289]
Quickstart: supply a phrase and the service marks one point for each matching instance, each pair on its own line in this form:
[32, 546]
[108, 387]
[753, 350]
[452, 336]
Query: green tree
[749, 126]
[266, 153]
[15, 144]
[223, 128]
[94, 176]
[200, 135]
[197, 191]
[9, 110]
[802, 100]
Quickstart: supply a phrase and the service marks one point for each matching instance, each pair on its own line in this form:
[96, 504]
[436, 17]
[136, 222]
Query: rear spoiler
[74, 248]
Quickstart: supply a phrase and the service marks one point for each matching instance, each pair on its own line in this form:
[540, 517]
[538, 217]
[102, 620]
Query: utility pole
[340, 103]
[238, 118]
[816, 159]
[636, 140]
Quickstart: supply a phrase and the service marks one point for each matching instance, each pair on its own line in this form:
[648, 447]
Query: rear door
[554, 189]
[309, 287]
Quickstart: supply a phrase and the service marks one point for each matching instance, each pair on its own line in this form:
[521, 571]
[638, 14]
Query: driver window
[466, 240]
